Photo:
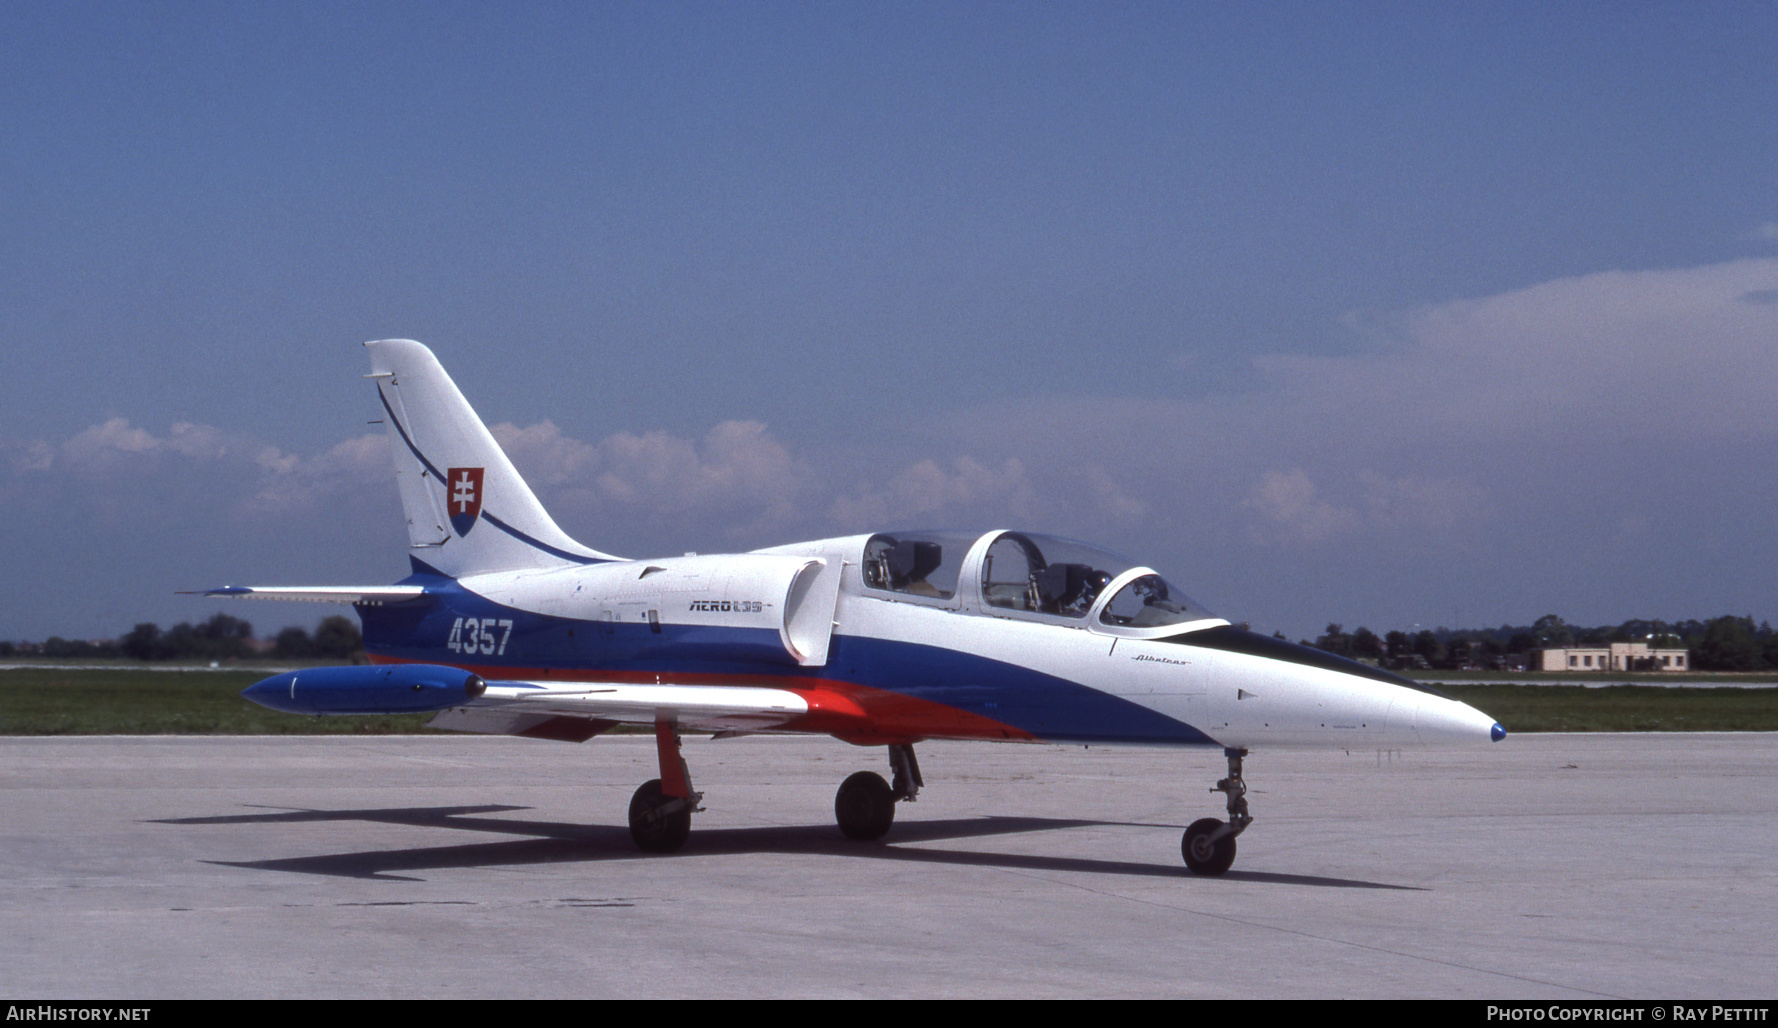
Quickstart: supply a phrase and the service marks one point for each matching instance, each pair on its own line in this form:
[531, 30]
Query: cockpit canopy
[1027, 573]
[917, 563]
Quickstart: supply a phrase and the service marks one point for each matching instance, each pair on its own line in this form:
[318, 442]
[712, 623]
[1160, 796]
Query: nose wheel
[1209, 844]
[1205, 852]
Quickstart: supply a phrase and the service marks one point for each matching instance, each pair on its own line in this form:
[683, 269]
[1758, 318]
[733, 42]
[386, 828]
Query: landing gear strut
[661, 809]
[906, 771]
[1209, 844]
[865, 804]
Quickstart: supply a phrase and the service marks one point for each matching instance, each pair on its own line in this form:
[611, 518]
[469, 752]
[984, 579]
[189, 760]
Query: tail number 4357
[486, 635]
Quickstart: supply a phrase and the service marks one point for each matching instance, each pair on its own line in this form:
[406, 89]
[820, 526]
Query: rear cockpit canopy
[916, 563]
[1023, 574]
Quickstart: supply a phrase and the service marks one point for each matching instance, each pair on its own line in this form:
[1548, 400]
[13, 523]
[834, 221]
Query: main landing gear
[1209, 844]
[865, 804]
[661, 809]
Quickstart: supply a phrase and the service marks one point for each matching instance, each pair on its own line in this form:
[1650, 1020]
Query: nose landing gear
[1209, 844]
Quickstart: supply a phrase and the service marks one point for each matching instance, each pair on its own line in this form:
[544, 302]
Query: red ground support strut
[675, 778]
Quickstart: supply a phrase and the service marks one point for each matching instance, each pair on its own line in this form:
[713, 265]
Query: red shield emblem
[463, 498]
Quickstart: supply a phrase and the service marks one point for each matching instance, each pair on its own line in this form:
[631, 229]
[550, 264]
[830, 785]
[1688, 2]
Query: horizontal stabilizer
[368, 594]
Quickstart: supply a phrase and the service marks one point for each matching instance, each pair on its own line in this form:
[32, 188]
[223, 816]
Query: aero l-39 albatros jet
[508, 626]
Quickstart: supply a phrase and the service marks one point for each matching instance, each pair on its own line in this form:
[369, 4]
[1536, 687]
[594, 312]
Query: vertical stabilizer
[468, 511]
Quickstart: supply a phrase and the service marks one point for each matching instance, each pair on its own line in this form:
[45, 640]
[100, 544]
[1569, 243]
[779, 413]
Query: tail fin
[468, 511]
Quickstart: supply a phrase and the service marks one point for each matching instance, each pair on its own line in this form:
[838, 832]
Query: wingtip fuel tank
[371, 689]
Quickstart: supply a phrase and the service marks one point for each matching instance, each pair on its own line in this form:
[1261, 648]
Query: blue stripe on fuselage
[1046, 706]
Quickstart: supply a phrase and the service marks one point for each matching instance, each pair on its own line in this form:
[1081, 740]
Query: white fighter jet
[508, 626]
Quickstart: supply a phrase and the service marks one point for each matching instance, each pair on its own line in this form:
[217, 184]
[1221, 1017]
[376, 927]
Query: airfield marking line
[1310, 935]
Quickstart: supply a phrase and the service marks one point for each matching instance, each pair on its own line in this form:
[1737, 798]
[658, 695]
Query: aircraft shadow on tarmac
[553, 842]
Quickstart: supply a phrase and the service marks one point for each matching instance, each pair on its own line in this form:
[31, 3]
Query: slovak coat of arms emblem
[463, 498]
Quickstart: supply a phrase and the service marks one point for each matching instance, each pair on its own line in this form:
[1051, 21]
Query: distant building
[1613, 657]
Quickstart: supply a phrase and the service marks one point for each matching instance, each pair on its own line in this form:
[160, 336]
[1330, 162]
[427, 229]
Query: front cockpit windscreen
[1149, 602]
[919, 563]
[1046, 575]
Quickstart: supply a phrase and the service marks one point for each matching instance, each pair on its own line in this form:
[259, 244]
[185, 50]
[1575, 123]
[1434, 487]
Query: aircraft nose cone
[1441, 721]
[273, 692]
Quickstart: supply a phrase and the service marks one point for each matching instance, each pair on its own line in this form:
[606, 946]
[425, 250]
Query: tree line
[1719, 644]
[221, 638]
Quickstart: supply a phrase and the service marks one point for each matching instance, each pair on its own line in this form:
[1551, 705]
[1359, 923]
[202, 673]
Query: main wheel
[865, 806]
[1203, 856]
[654, 832]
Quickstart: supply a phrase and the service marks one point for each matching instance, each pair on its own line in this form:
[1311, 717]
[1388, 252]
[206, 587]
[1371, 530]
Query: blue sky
[1378, 314]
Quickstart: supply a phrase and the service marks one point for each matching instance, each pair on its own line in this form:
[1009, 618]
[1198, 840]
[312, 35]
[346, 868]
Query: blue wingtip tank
[383, 689]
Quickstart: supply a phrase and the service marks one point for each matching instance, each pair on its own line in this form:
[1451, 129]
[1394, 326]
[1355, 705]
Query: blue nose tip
[1497, 733]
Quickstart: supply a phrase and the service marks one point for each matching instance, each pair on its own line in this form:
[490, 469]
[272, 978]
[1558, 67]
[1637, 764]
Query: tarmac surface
[1547, 866]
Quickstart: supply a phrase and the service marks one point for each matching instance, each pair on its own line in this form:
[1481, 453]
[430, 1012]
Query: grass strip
[1656, 678]
[132, 701]
[1621, 708]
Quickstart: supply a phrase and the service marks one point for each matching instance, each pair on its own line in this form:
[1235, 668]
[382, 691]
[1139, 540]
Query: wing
[368, 594]
[576, 711]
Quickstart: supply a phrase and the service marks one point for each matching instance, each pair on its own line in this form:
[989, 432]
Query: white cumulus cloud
[738, 472]
[968, 491]
[1291, 510]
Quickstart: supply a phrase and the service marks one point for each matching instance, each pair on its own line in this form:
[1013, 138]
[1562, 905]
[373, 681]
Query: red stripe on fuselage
[845, 710]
